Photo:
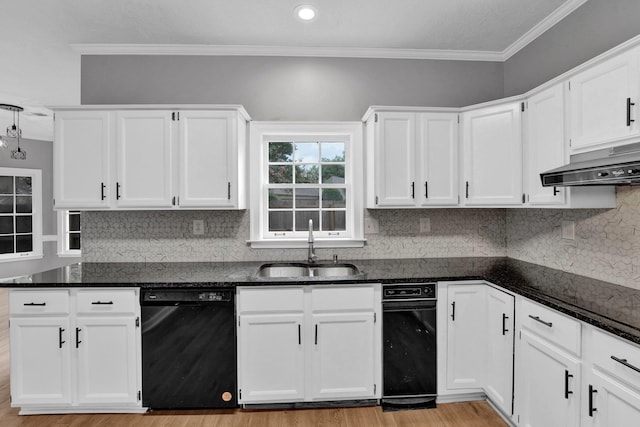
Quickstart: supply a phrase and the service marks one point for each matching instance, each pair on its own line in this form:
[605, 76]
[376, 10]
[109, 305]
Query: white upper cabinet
[604, 102]
[437, 146]
[144, 166]
[412, 159]
[81, 159]
[210, 173]
[492, 153]
[150, 158]
[545, 144]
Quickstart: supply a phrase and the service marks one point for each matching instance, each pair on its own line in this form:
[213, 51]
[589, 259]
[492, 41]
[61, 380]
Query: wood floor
[472, 414]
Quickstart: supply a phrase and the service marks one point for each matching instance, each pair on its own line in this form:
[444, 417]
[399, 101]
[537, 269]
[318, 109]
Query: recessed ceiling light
[306, 12]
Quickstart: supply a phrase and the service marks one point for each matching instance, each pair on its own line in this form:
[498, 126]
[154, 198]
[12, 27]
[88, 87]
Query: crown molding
[541, 27]
[312, 51]
[333, 52]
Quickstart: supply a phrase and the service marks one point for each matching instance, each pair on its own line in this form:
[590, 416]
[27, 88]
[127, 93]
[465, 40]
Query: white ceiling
[44, 67]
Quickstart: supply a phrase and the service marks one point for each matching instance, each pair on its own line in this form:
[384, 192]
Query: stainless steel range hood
[617, 168]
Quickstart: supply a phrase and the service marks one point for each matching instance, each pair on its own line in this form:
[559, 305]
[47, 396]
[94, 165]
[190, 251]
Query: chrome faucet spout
[311, 253]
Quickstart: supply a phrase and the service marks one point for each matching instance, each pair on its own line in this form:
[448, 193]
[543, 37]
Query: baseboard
[308, 405]
[38, 410]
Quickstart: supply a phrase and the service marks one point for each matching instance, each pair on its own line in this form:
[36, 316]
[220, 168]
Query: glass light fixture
[306, 12]
[13, 132]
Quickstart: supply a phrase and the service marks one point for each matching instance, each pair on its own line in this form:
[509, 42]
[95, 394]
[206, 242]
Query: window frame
[63, 235]
[261, 133]
[36, 214]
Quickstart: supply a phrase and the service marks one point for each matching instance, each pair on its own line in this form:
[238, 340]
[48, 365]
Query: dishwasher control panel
[177, 296]
[409, 291]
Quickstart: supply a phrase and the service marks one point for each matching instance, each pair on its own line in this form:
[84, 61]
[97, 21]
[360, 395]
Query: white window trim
[36, 213]
[62, 238]
[263, 132]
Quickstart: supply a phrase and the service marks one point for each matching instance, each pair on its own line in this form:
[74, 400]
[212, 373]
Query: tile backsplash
[606, 244]
[166, 236]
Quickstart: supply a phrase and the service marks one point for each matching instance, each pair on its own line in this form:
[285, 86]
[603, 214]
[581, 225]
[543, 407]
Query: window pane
[6, 185]
[307, 198]
[302, 220]
[6, 245]
[279, 174]
[23, 204]
[333, 174]
[23, 224]
[281, 198]
[334, 197]
[281, 221]
[6, 204]
[23, 185]
[334, 220]
[307, 152]
[74, 222]
[280, 152]
[74, 241]
[332, 151]
[24, 243]
[306, 174]
[6, 225]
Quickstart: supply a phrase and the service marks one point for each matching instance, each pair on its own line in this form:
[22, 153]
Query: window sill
[303, 243]
[22, 258]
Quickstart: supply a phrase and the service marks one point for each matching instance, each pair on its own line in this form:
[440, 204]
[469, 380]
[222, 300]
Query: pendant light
[13, 132]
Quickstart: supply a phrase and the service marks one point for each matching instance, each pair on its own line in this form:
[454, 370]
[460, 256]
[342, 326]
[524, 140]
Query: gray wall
[277, 88]
[39, 156]
[590, 30]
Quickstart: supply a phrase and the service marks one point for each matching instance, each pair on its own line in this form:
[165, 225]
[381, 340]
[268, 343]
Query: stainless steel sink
[303, 270]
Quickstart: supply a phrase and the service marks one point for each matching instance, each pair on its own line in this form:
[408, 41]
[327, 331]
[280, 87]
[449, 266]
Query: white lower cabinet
[479, 345]
[75, 350]
[547, 384]
[308, 343]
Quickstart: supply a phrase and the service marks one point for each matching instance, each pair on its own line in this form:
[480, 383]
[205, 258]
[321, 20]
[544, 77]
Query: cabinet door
[547, 384]
[144, 159]
[608, 403]
[208, 159]
[599, 110]
[466, 340]
[40, 361]
[271, 358]
[492, 145]
[343, 356]
[107, 355]
[500, 327]
[81, 159]
[395, 159]
[545, 144]
[437, 145]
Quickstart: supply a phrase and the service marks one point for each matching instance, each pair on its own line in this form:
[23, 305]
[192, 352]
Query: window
[20, 214]
[69, 233]
[306, 172]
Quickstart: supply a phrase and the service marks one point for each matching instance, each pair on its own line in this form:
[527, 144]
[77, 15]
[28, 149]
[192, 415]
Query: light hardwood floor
[469, 414]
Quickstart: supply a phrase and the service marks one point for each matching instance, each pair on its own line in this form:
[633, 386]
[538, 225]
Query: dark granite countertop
[611, 307]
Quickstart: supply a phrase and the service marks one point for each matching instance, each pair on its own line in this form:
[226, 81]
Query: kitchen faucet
[311, 257]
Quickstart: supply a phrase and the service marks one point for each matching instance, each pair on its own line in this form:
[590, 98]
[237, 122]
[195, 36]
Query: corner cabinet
[75, 350]
[311, 343]
[129, 157]
[412, 158]
[492, 155]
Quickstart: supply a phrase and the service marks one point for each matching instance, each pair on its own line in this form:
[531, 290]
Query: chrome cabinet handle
[537, 319]
[625, 363]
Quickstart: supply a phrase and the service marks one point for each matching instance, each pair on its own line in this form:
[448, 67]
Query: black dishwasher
[188, 348]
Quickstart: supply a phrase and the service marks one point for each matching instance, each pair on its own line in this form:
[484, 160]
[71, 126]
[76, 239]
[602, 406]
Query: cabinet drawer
[270, 299]
[604, 348]
[116, 301]
[36, 302]
[551, 325]
[358, 298]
